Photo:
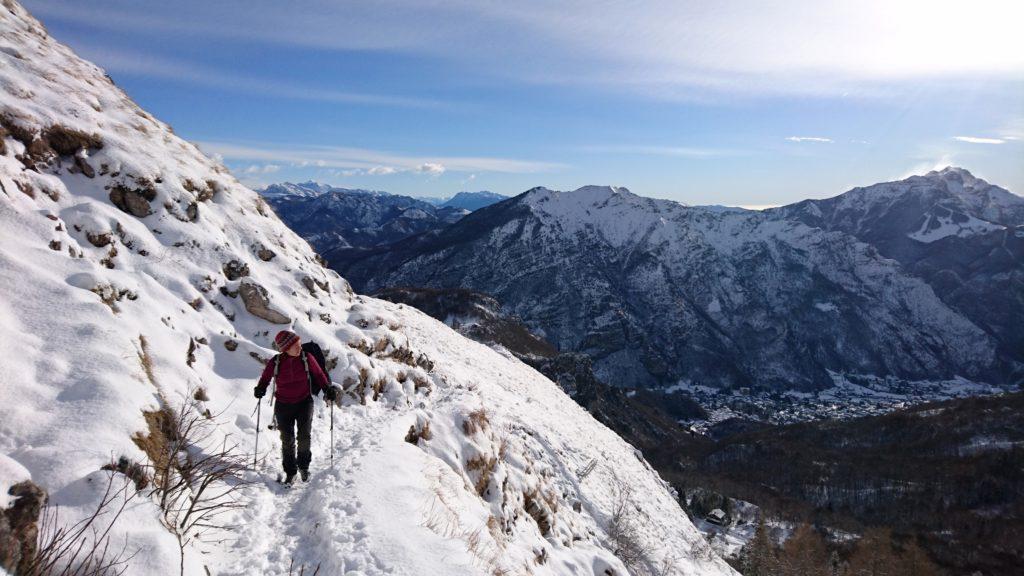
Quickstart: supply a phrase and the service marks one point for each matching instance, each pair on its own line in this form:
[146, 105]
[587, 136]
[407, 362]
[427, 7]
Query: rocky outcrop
[19, 527]
[134, 201]
[234, 270]
[257, 303]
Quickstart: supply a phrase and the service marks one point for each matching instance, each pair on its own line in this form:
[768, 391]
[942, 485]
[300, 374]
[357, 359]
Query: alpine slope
[138, 275]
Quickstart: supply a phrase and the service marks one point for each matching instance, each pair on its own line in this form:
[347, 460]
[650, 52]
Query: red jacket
[292, 385]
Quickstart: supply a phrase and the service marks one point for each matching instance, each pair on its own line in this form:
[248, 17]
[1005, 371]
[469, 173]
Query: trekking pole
[256, 449]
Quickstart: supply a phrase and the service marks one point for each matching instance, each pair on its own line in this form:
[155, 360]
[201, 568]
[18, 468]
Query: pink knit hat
[285, 339]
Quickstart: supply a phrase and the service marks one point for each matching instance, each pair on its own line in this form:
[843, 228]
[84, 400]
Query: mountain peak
[959, 176]
[602, 191]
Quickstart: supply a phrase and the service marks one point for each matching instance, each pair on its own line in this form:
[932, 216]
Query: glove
[331, 393]
[259, 391]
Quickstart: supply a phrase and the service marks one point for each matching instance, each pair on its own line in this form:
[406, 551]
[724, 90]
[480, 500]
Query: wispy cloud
[373, 162]
[926, 165]
[261, 169]
[809, 139]
[979, 140]
[431, 168]
[677, 151]
[669, 48]
[151, 66]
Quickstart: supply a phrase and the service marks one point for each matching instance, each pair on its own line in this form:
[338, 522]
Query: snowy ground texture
[110, 312]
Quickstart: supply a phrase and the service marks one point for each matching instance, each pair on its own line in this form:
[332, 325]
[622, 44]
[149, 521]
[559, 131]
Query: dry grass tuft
[146, 359]
[415, 434]
[162, 435]
[68, 141]
[485, 467]
[475, 421]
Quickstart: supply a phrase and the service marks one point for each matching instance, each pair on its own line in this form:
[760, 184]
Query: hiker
[298, 378]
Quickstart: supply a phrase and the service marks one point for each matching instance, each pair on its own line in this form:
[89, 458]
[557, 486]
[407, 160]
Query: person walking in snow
[298, 377]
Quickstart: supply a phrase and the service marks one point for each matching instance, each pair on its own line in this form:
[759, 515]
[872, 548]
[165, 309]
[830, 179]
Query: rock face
[960, 234]
[657, 293]
[257, 303]
[338, 219]
[19, 527]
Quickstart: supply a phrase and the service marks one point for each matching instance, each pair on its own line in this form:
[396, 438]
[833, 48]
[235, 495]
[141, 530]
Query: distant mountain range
[333, 219]
[916, 280]
[467, 200]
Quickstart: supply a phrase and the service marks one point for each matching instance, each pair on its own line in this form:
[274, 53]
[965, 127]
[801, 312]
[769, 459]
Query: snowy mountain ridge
[659, 293]
[138, 271]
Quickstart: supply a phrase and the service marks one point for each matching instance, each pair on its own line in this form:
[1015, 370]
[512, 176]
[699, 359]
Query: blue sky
[738, 103]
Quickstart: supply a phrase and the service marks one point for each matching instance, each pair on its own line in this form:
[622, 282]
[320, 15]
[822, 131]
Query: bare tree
[623, 532]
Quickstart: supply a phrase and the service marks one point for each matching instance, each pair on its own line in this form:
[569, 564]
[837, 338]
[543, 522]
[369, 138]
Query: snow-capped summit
[139, 276]
[303, 189]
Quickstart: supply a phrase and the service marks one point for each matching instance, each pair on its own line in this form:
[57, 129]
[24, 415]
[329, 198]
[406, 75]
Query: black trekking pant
[290, 416]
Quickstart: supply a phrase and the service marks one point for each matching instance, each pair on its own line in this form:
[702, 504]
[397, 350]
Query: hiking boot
[289, 478]
[304, 474]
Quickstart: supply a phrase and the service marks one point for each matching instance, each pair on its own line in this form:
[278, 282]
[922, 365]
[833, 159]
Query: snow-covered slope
[136, 270]
[659, 293]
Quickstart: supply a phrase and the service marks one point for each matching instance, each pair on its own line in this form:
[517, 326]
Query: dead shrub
[475, 421]
[624, 531]
[83, 548]
[415, 434]
[195, 481]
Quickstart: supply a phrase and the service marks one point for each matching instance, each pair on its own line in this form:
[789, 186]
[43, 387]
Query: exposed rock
[231, 345]
[134, 201]
[264, 253]
[235, 270]
[19, 527]
[310, 285]
[98, 240]
[192, 211]
[85, 167]
[257, 303]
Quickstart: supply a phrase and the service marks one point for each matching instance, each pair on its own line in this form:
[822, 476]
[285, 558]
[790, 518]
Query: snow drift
[137, 271]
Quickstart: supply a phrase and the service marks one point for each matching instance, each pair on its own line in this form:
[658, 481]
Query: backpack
[318, 354]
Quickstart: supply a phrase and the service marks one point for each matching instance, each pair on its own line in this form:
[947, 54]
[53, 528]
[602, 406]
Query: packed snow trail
[320, 523]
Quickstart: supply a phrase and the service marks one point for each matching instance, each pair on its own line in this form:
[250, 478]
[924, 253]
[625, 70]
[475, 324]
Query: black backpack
[321, 361]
